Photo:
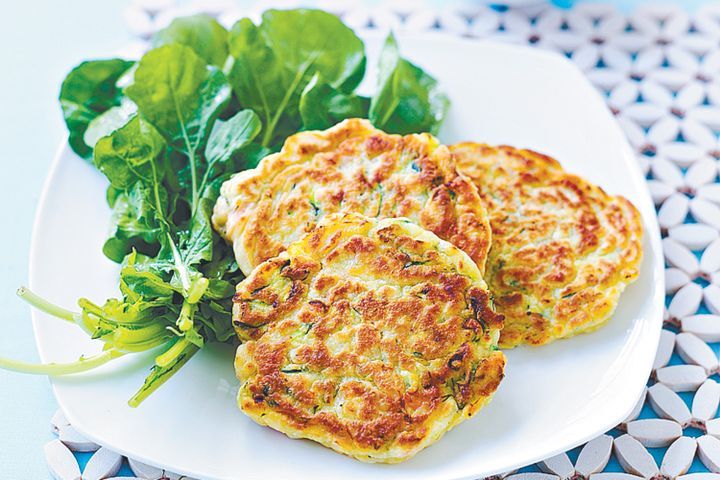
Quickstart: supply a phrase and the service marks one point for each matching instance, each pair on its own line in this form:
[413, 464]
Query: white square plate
[553, 398]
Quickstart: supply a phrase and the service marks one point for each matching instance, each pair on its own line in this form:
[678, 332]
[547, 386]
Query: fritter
[562, 249]
[371, 337]
[351, 167]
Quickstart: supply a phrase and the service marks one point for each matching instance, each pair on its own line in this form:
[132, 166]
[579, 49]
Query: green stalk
[203, 183]
[390, 111]
[173, 359]
[47, 307]
[185, 320]
[193, 177]
[167, 358]
[197, 290]
[81, 365]
[190, 151]
[96, 313]
[179, 265]
[43, 305]
[128, 339]
[272, 123]
[158, 203]
[177, 259]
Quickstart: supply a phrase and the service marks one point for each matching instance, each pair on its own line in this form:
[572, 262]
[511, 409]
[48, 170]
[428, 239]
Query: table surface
[38, 50]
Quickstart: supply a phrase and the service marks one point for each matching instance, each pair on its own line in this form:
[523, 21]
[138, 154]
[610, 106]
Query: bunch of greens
[168, 130]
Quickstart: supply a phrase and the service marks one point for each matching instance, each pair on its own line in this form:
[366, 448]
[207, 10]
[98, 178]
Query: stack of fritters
[374, 334]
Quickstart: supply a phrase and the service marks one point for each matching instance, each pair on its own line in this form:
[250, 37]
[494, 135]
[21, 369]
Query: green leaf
[214, 317]
[251, 156]
[135, 221]
[87, 91]
[219, 289]
[276, 60]
[407, 99]
[246, 158]
[226, 148]
[202, 33]
[116, 248]
[127, 78]
[179, 95]
[198, 245]
[316, 41]
[128, 154]
[228, 137]
[145, 277]
[222, 265]
[322, 106]
[257, 75]
[146, 283]
[109, 121]
[194, 337]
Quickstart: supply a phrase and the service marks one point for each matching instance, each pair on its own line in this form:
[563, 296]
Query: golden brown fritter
[351, 167]
[562, 249]
[370, 337]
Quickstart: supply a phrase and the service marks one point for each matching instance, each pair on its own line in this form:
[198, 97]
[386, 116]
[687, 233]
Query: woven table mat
[659, 70]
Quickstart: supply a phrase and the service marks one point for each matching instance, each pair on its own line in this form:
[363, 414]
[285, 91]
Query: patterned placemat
[659, 70]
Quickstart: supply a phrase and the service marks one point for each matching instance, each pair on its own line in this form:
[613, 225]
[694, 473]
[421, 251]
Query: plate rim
[650, 225]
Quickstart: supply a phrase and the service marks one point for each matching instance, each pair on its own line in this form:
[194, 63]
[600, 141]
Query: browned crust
[563, 250]
[351, 167]
[371, 338]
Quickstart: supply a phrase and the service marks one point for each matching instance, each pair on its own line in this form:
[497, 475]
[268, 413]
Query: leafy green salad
[169, 129]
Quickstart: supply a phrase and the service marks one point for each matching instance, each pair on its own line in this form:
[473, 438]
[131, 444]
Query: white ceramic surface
[553, 398]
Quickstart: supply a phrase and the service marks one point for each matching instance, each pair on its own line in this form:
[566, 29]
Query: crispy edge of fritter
[596, 304]
[494, 367]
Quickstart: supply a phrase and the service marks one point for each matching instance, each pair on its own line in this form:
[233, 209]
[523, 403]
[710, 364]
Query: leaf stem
[203, 182]
[190, 151]
[53, 369]
[158, 203]
[270, 127]
[193, 176]
[198, 289]
[393, 106]
[43, 305]
[194, 294]
[166, 358]
[177, 259]
[175, 359]
[185, 320]
[179, 266]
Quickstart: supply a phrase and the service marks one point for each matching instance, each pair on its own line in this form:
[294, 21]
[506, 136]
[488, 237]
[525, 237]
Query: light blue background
[39, 42]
